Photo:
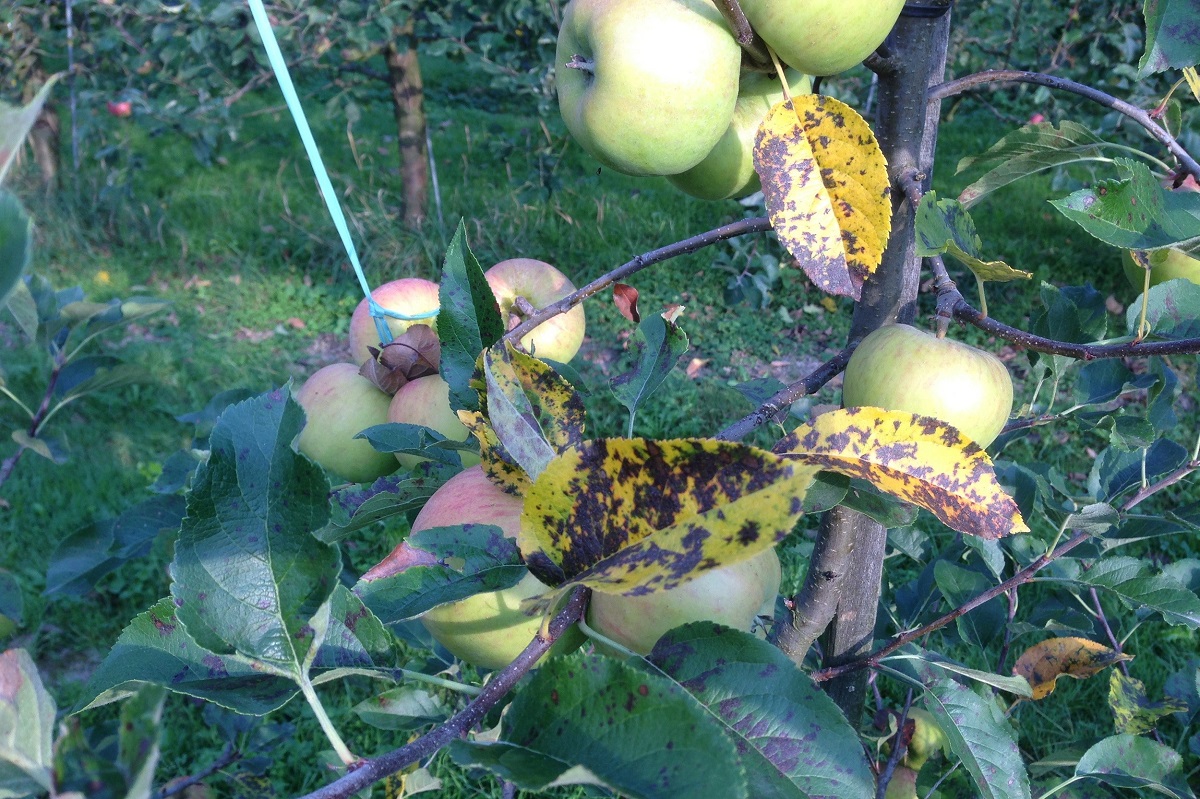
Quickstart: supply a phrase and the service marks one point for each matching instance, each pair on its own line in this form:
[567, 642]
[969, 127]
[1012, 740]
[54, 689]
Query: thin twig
[1021, 577]
[898, 750]
[1138, 115]
[745, 35]
[368, 772]
[758, 224]
[228, 756]
[1012, 614]
[806, 385]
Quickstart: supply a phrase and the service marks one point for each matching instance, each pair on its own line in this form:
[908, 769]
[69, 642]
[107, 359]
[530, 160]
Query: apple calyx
[582, 64]
[414, 353]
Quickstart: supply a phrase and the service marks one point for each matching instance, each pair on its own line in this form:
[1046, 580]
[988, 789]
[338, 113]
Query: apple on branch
[540, 284]
[646, 86]
[901, 368]
[339, 403]
[822, 37]
[408, 295]
[728, 169]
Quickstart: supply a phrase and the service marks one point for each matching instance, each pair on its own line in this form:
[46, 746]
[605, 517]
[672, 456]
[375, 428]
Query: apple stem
[524, 306]
[579, 62]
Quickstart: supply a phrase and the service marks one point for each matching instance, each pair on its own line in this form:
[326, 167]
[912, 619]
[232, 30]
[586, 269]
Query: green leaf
[945, 226]
[403, 709]
[16, 244]
[1131, 761]
[1027, 151]
[587, 719]
[483, 560]
[95, 550]
[1172, 36]
[1172, 310]
[983, 624]
[248, 574]
[1116, 471]
[94, 373]
[358, 507]
[1017, 686]
[659, 346]
[980, 737]
[12, 604]
[469, 321]
[415, 439]
[15, 124]
[23, 308]
[26, 727]
[792, 740]
[533, 411]
[138, 740]
[1135, 212]
[1131, 580]
[1104, 380]
[636, 515]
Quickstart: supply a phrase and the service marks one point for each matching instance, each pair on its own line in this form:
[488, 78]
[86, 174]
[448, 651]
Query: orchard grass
[261, 295]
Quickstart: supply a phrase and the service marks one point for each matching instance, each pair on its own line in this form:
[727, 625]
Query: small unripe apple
[823, 37]
[903, 784]
[340, 403]
[733, 595]
[901, 368]
[928, 739]
[408, 295]
[556, 339]
[426, 401]
[728, 169]
[488, 630]
[1164, 265]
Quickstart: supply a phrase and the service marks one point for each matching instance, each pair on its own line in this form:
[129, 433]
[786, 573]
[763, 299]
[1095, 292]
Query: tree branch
[758, 224]
[806, 385]
[752, 44]
[1138, 115]
[368, 772]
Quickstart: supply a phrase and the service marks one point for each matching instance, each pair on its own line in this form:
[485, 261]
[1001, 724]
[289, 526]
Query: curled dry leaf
[625, 297]
[1043, 663]
[414, 353]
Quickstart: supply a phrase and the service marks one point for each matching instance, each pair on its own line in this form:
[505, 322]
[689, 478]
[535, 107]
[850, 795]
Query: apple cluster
[400, 382]
[659, 87]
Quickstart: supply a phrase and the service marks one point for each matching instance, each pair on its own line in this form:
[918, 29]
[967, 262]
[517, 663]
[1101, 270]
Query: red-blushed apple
[120, 108]
[408, 295]
[901, 368]
[426, 401]
[340, 403]
[728, 169]
[646, 86]
[556, 339]
[823, 37]
[733, 595]
[487, 630]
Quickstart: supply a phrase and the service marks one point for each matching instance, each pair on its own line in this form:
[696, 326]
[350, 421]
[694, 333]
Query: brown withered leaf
[625, 297]
[414, 353]
[1043, 663]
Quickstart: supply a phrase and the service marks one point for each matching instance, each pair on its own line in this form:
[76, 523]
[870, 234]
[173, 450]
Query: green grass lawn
[261, 294]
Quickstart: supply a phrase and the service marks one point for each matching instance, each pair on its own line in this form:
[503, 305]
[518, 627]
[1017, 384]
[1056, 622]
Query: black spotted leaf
[357, 507]
[634, 516]
[248, 574]
[26, 727]
[792, 740]
[588, 719]
[469, 320]
[1134, 761]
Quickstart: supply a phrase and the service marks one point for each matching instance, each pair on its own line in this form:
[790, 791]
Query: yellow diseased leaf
[1133, 712]
[634, 516]
[915, 458]
[497, 463]
[1043, 663]
[827, 190]
[987, 270]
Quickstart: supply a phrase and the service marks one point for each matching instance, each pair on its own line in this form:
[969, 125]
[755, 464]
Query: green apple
[488, 630]
[556, 339]
[408, 295]
[1164, 265]
[728, 169]
[822, 37]
[646, 86]
[903, 784]
[733, 595]
[426, 401]
[340, 403]
[901, 368]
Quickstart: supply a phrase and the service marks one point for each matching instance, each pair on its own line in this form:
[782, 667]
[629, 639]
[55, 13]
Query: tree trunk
[45, 139]
[907, 129]
[408, 103]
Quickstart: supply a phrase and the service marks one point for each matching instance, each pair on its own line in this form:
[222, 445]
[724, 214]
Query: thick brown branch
[371, 771]
[1138, 115]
